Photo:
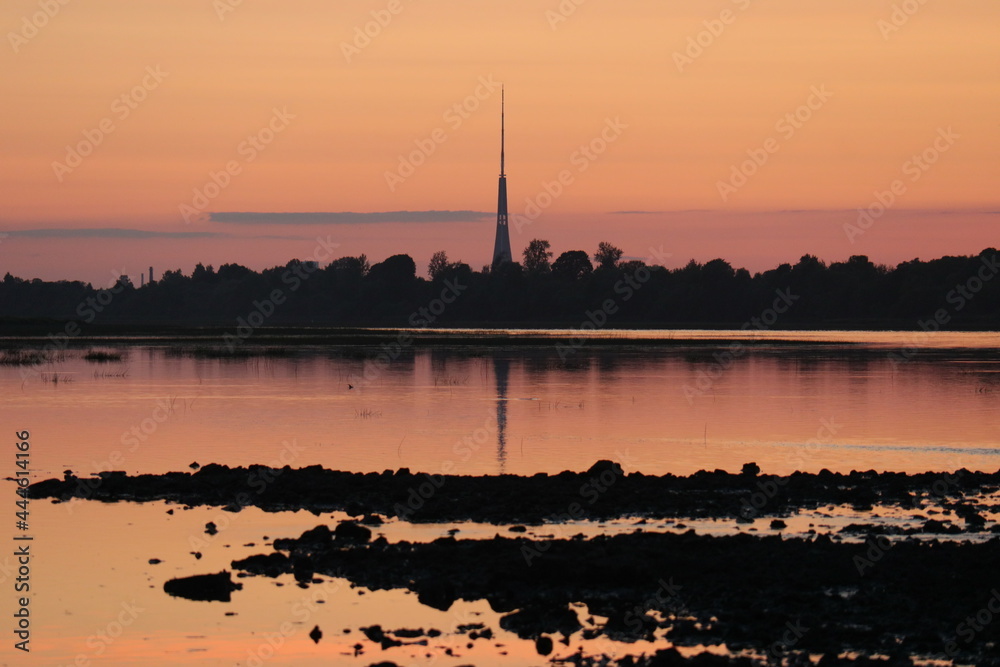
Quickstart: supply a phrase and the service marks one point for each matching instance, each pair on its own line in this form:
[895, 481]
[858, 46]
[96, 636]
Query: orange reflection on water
[96, 599]
[524, 410]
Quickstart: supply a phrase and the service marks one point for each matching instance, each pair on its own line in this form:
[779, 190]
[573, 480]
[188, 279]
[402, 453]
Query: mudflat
[868, 591]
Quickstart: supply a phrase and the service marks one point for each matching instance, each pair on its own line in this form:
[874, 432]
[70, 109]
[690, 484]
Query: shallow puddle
[99, 598]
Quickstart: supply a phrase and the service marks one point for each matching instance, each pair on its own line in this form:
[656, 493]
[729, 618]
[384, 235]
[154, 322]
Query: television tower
[501, 247]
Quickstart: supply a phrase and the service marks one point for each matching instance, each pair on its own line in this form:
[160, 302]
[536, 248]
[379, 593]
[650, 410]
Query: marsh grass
[103, 355]
[26, 357]
[119, 373]
[450, 381]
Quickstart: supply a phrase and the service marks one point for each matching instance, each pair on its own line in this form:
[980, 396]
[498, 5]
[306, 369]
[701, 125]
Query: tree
[233, 272]
[809, 264]
[438, 265]
[172, 277]
[573, 265]
[457, 272]
[398, 269]
[607, 255]
[536, 257]
[717, 271]
[351, 266]
[633, 266]
[202, 274]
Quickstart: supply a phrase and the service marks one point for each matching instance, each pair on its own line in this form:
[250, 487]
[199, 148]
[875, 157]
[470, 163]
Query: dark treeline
[570, 290]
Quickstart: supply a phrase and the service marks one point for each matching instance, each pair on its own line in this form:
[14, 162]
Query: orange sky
[681, 130]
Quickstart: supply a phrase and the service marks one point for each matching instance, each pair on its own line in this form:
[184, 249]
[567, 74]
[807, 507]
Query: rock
[155, 561]
[303, 570]
[377, 635]
[374, 633]
[529, 622]
[203, 587]
[372, 520]
[352, 532]
[406, 633]
[543, 645]
[604, 466]
[518, 529]
[935, 526]
[438, 595]
[974, 519]
[778, 524]
[669, 657]
[269, 565]
[211, 529]
[316, 540]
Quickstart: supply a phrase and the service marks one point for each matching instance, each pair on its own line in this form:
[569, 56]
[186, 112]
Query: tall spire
[502, 131]
[501, 247]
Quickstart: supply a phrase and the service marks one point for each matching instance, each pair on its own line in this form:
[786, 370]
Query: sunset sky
[834, 100]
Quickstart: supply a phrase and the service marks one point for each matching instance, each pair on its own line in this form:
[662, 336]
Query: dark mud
[603, 492]
[787, 596]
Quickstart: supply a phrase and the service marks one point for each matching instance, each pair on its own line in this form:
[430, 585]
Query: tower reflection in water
[501, 371]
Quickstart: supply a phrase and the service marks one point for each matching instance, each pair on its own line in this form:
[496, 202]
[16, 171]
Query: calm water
[841, 401]
[828, 400]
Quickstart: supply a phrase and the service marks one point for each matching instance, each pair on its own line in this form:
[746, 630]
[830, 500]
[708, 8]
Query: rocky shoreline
[768, 598]
[779, 599]
[605, 491]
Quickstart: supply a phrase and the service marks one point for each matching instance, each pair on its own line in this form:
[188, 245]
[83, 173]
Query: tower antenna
[502, 130]
[501, 247]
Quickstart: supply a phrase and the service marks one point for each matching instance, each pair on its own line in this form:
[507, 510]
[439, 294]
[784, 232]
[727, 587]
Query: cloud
[347, 217]
[105, 233]
[123, 233]
[809, 211]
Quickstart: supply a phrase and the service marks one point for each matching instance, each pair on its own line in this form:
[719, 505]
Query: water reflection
[675, 410]
[501, 370]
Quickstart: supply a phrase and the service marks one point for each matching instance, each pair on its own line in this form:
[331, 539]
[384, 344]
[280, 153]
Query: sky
[167, 133]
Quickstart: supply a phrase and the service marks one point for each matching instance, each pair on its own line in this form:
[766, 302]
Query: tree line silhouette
[951, 292]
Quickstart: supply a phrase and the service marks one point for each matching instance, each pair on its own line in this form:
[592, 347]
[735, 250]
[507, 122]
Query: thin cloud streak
[800, 211]
[106, 233]
[140, 234]
[347, 217]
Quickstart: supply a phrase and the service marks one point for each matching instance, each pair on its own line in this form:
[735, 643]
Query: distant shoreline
[53, 334]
